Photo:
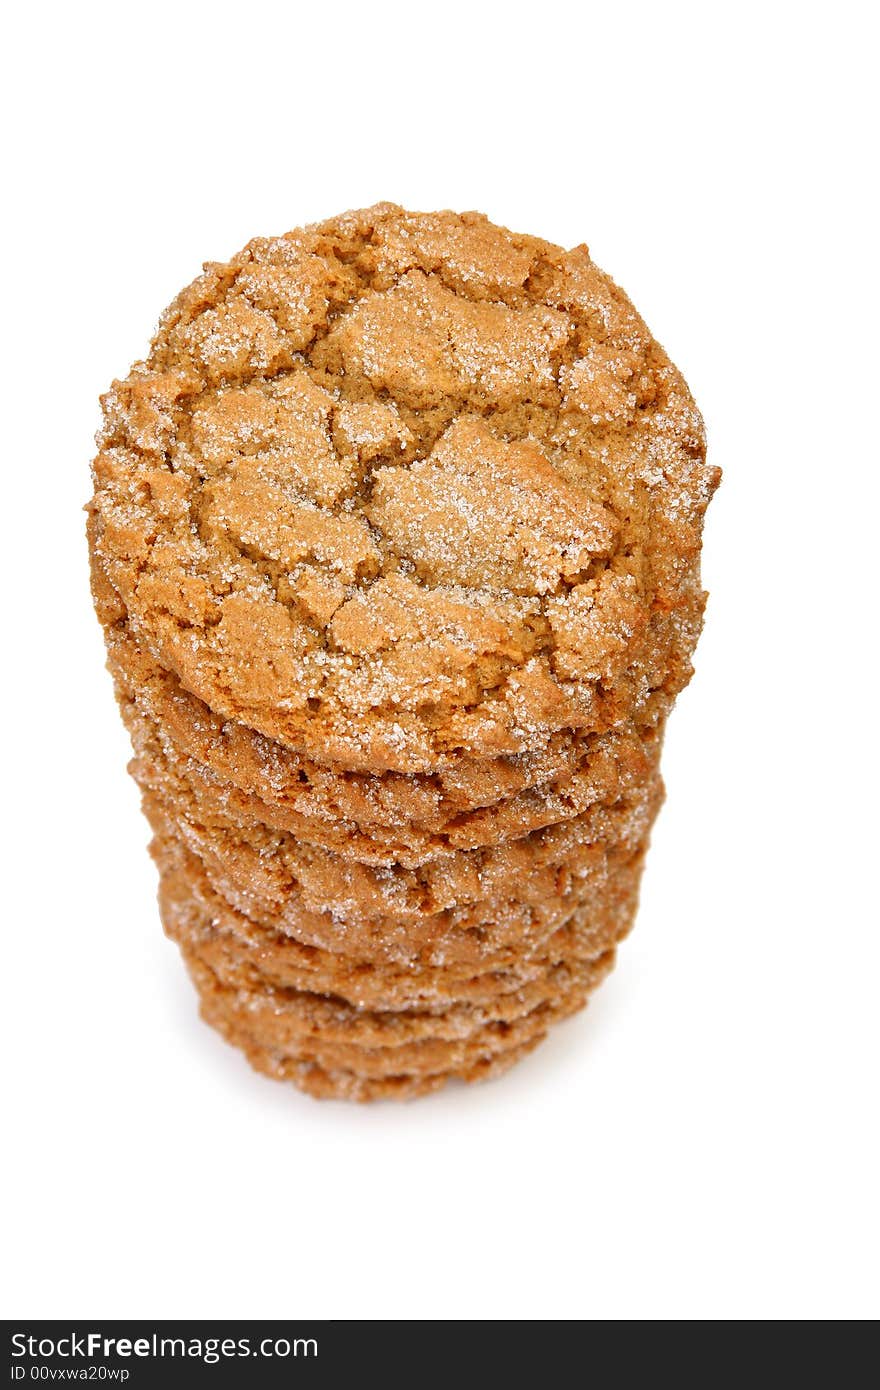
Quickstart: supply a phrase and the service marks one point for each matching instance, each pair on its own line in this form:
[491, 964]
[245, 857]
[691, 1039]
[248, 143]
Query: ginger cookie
[399, 484]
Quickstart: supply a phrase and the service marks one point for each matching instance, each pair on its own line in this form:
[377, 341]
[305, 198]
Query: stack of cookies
[395, 543]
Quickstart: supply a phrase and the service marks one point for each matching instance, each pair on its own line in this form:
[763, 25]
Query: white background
[702, 1142]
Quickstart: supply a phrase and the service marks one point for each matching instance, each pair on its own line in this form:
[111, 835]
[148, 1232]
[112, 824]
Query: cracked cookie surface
[397, 485]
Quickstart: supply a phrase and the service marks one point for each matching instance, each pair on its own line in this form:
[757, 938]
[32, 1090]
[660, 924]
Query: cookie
[273, 887]
[281, 1028]
[240, 949]
[420, 959]
[607, 768]
[290, 1017]
[339, 1084]
[317, 1030]
[508, 894]
[276, 863]
[312, 1032]
[472, 803]
[400, 485]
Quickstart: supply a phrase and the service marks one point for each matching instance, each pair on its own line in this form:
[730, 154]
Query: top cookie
[398, 484]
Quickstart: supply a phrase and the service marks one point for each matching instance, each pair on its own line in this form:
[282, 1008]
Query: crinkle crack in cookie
[398, 485]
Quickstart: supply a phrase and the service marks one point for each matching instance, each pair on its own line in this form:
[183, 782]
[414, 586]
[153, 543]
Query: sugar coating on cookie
[396, 485]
